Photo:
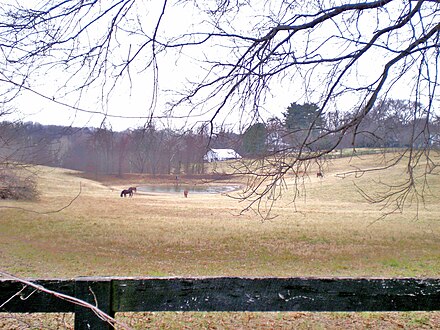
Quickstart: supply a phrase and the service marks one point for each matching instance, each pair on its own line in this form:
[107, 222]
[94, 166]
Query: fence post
[98, 292]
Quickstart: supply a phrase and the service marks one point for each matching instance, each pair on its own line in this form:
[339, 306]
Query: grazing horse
[126, 192]
[319, 175]
[185, 193]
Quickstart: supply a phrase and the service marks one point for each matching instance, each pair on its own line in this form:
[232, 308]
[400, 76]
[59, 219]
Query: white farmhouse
[214, 155]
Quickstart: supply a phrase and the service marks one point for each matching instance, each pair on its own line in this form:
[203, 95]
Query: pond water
[201, 189]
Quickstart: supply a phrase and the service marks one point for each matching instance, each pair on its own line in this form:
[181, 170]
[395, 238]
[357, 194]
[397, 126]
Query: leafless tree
[103, 150]
[233, 59]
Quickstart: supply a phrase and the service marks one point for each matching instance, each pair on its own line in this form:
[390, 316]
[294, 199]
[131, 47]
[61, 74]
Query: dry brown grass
[244, 320]
[329, 231]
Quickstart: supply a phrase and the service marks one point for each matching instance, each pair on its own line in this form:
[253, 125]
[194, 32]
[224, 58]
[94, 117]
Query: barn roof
[226, 153]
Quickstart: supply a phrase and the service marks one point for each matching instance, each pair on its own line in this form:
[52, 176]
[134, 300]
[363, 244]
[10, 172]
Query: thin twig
[99, 313]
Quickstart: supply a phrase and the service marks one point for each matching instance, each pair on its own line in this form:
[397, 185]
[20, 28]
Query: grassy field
[331, 230]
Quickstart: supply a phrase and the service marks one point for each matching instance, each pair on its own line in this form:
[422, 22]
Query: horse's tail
[122, 192]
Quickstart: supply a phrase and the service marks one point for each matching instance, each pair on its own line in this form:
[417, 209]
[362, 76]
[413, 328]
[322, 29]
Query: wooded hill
[163, 151]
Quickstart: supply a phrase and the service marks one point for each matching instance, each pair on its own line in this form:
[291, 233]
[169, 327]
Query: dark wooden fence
[113, 295]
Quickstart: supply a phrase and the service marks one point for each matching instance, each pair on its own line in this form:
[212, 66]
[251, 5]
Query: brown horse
[319, 175]
[185, 193]
[126, 192]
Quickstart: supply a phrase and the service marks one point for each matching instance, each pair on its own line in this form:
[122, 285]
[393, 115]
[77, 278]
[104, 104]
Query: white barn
[214, 155]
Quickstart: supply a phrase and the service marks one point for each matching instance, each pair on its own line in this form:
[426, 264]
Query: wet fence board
[221, 294]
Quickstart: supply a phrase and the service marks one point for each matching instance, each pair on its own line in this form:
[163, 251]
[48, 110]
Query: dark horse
[126, 192]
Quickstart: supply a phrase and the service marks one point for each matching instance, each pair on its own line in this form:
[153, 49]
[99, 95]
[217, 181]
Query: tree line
[104, 151]
[390, 124]
[152, 150]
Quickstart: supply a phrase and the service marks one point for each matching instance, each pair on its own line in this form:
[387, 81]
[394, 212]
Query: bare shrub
[16, 185]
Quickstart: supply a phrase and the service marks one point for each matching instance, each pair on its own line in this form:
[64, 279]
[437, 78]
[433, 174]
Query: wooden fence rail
[113, 295]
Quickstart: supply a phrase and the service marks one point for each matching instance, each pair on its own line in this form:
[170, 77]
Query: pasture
[330, 230]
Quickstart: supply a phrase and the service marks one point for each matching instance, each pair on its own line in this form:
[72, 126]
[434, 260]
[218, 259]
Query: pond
[200, 189]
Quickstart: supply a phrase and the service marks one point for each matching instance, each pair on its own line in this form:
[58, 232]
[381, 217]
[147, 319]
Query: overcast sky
[130, 103]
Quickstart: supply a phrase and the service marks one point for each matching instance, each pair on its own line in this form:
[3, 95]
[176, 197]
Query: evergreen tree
[303, 117]
[254, 139]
